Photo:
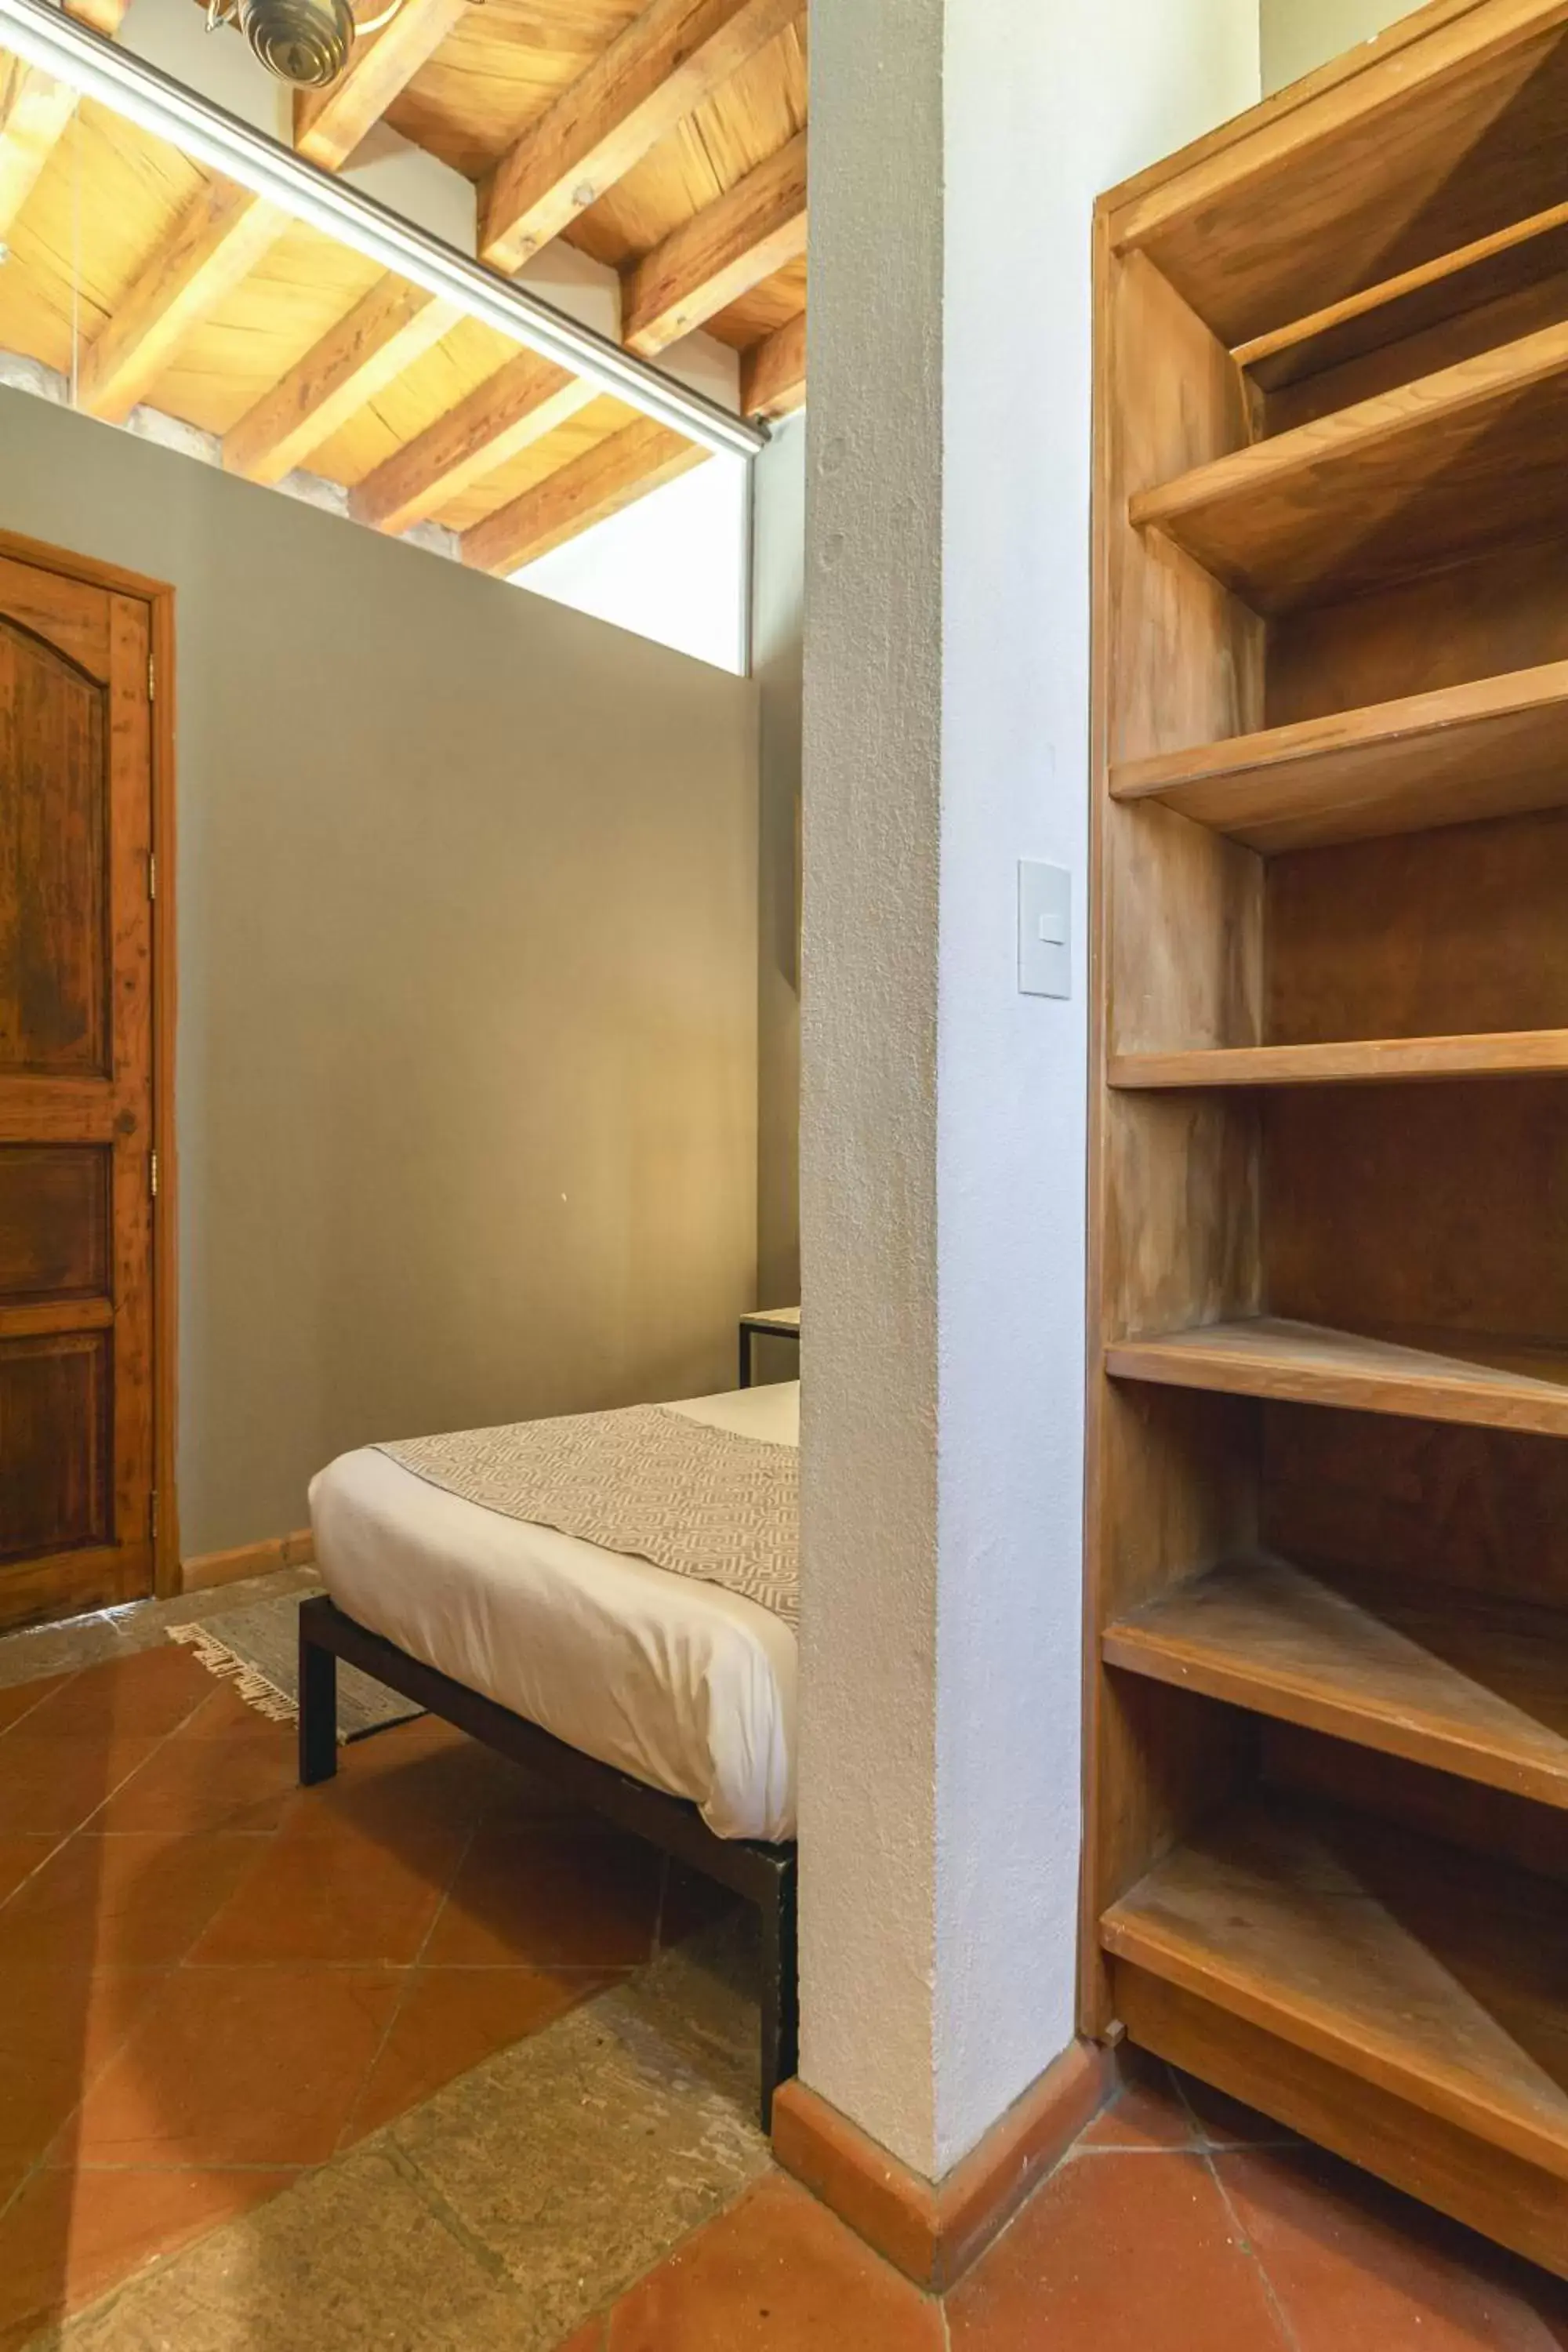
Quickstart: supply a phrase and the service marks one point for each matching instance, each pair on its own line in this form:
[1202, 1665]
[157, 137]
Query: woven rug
[257, 1649]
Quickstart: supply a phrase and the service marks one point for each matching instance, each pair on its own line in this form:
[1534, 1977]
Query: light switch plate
[1044, 929]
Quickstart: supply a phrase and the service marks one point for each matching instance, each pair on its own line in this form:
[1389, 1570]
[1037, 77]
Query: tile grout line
[344, 2142]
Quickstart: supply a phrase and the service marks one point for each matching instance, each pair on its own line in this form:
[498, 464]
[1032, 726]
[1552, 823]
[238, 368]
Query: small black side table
[775, 1323]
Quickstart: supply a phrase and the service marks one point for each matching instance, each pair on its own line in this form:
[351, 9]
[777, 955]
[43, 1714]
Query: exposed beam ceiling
[330, 123]
[217, 240]
[665, 63]
[773, 373]
[225, 230]
[718, 256]
[386, 331]
[518, 405]
[35, 110]
[631, 463]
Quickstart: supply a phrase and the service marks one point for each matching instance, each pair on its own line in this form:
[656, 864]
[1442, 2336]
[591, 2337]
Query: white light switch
[1044, 929]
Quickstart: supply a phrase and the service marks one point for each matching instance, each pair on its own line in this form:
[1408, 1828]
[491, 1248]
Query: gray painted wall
[1301, 34]
[467, 946]
[778, 602]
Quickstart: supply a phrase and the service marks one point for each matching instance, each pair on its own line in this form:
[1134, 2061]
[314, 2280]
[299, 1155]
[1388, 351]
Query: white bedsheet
[679, 1683]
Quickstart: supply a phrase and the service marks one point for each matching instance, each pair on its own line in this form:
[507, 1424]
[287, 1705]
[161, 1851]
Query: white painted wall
[672, 567]
[1298, 36]
[955, 156]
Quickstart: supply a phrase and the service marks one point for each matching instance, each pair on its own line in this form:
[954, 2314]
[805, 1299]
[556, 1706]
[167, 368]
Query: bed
[665, 1702]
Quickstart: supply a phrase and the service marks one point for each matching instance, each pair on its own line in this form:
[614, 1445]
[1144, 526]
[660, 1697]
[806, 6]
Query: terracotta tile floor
[213, 1985]
[1180, 2223]
[211, 1980]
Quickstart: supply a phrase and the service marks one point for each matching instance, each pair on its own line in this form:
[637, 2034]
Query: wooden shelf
[1357, 1061]
[1476, 1688]
[1489, 269]
[1492, 747]
[1444, 130]
[1416, 477]
[1490, 1384]
[1415, 1967]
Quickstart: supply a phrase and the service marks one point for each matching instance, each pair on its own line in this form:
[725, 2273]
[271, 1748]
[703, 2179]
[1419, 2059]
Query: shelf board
[1429, 1972]
[1476, 1688]
[1355, 1061]
[1412, 479]
[1487, 269]
[1491, 747]
[1491, 1383]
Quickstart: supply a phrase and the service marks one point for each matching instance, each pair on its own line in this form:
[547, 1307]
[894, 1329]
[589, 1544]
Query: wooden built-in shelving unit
[1328, 1672]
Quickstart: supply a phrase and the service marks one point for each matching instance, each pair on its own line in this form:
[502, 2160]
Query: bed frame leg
[318, 1708]
[781, 1989]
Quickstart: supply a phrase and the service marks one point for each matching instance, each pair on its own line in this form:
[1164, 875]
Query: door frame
[158, 596]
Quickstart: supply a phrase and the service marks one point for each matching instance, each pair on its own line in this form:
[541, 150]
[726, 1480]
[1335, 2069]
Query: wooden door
[77, 1171]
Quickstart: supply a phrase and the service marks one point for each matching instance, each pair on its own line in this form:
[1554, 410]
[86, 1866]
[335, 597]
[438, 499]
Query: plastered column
[955, 154]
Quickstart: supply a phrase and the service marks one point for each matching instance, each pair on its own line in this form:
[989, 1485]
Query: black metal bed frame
[764, 1875]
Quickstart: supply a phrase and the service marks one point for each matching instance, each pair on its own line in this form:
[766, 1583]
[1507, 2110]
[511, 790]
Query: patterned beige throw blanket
[699, 1501]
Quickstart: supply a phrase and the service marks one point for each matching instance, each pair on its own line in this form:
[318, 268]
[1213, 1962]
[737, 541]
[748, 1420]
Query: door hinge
[153, 1515]
[151, 681]
[152, 1174]
[151, 874]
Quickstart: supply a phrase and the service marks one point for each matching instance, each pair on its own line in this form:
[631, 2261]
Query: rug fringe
[249, 1684]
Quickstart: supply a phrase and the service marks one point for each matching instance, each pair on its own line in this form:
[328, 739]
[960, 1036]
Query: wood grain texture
[1479, 1689]
[381, 336]
[1521, 2205]
[78, 1383]
[35, 111]
[1436, 1979]
[219, 239]
[1479, 1512]
[722, 253]
[773, 373]
[330, 123]
[1489, 747]
[1174, 1200]
[1435, 290]
[1361, 1061]
[1420, 934]
[1443, 132]
[1418, 475]
[635, 92]
[1471, 1379]
[639, 458]
[521, 404]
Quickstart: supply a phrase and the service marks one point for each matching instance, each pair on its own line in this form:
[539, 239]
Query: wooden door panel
[56, 1408]
[76, 1424]
[54, 861]
[54, 1218]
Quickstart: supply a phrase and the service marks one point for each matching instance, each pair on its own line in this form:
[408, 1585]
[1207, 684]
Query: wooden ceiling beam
[640, 457]
[36, 111]
[664, 64]
[518, 405]
[330, 123]
[773, 373]
[387, 330]
[758, 227]
[217, 240]
[224, 231]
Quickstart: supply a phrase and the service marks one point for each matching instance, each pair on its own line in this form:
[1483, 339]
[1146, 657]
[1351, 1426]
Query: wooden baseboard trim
[297, 1550]
[933, 2231]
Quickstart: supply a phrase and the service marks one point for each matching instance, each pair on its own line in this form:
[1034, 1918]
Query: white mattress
[679, 1683]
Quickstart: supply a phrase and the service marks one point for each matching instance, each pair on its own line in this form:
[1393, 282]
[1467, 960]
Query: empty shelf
[1492, 747]
[1476, 1687]
[1468, 1377]
[1413, 478]
[1414, 1966]
[1356, 1061]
